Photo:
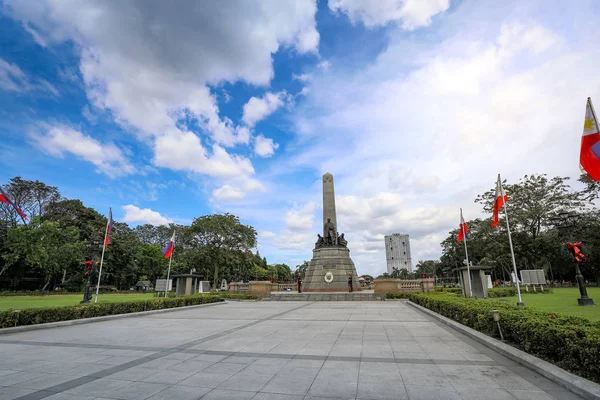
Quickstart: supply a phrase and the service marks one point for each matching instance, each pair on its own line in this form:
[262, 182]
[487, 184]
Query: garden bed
[32, 316]
[571, 343]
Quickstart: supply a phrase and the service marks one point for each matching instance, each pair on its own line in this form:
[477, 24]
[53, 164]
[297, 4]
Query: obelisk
[331, 266]
[328, 202]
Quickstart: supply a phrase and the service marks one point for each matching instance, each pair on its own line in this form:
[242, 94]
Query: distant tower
[397, 252]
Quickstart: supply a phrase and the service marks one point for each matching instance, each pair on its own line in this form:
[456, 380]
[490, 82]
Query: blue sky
[169, 113]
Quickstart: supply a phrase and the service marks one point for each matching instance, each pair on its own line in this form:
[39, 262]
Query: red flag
[4, 199]
[108, 228]
[464, 230]
[589, 156]
[501, 199]
[168, 251]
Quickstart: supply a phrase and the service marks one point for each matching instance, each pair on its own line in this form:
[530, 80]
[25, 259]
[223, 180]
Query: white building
[397, 252]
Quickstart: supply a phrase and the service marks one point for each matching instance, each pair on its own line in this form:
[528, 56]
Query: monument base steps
[325, 297]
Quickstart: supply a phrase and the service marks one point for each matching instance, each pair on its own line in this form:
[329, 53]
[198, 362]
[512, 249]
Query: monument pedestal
[337, 261]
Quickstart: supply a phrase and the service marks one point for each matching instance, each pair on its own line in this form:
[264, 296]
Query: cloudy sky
[166, 111]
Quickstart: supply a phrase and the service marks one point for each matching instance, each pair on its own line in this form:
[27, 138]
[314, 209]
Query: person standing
[349, 283]
[299, 284]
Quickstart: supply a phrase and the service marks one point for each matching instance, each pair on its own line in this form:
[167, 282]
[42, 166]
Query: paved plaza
[264, 351]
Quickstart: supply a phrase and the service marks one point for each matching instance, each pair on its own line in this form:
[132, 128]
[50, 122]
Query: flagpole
[169, 272]
[593, 113]
[466, 254]
[102, 260]
[512, 252]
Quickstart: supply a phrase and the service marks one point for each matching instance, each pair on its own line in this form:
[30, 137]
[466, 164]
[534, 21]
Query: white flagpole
[512, 252]
[466, 255]
[168, 273]
[169, 270]
[102, 258]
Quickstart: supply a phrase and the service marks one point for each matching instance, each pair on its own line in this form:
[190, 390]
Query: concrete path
[264, 350]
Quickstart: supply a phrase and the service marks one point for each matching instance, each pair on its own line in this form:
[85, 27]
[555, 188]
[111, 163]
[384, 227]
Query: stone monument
[331, 265]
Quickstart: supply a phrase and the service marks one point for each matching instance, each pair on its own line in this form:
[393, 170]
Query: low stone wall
[239, 287]
[389, 285]
[260, 288]
[280, 287]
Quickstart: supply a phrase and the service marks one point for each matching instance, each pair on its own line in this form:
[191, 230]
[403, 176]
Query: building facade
[397, 252]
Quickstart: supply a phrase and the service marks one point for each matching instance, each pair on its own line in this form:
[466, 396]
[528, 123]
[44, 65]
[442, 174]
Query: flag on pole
[169, 249]
[463, 234]
[589, 157]
[4, 199]
[108, 228]
[501, 199]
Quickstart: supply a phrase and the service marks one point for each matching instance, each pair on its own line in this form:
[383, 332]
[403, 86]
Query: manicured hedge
[32, 316]
[496, 292]
[397, 295]
[571, 343]
[448, 289]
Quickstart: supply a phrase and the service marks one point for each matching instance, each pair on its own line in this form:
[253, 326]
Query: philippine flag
[501, 199]
[108, 228]
[589, 158]
[463, 234]
[4, 199]
[168, 251]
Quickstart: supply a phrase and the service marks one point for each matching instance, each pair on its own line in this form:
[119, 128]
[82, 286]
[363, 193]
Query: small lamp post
[496, 316]
[566, 222]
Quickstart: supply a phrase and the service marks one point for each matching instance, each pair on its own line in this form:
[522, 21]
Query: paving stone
[98, 388]
[431, 392]
[180, 392]
[219, 394]
[136, 390]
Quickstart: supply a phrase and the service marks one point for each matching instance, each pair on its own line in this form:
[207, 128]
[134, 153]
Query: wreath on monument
[329, 277]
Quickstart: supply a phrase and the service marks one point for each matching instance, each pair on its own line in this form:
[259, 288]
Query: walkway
[264, 350]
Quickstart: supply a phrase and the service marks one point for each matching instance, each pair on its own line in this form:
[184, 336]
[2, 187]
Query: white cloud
[151, 63]
[180, 150]
[257, 109]
[412, 14]
[236, 189]
[107, 158]
[298, 232]
[13, 79]
[228, 193]
[302, 77]
[138, 215]
[264, 147]
[324, 65]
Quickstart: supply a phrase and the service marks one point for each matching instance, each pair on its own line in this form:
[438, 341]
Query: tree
[301, 270]
[46, 247]
[32, 197]
[430, 267]
[219, 235]
[151, 262]
[72, 213]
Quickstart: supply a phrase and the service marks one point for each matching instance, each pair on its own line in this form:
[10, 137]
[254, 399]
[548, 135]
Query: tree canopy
[49, 250]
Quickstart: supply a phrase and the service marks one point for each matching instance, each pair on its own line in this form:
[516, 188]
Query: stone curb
[80, 321]
[576, 384]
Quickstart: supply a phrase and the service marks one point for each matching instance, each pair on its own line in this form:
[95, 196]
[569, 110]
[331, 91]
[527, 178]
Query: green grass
[23, 302]
[563, 300]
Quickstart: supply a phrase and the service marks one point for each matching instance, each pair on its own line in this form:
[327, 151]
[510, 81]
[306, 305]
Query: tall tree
[47, 247]
[33, 197]
[221, 234]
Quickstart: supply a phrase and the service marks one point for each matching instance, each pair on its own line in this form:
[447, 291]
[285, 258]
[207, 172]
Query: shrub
[32, 316]
[571, 343]
[448, 289]
[402, 295]
[502, 292]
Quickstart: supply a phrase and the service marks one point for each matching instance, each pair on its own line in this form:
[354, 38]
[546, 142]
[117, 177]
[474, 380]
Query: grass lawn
[563, 300]
[21, 302]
